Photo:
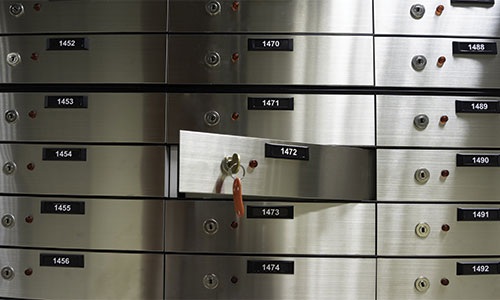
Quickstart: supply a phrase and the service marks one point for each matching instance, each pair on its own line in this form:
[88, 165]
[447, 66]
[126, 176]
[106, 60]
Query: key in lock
[230, 166]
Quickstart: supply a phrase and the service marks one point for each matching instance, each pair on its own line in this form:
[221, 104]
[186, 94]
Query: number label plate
[478, 107]
[270, 44]
[478, 160]
[287, 152]
[61, 260]
[66, 102]
[269, 212]
[62, 207]
[68, 44]
[474, 48]
[270, 103]
[489, 2]
[65, 154]
[270, 267]
[478, 214]
[478, 268]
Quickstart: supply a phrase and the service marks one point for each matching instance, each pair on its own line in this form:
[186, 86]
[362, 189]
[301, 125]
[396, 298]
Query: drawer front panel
[83, 117]
[319, 119]
[226, 59]
[395, 56]
[42, 16]
[456, 19]
[287, 177]
[106, 170]
[270, 227]
[401, 168]
[312, 278]
[127, 276]
[83, 59]
[396, 279]
[82, 223]
[274, 16]
[453, 229]
[421, 121]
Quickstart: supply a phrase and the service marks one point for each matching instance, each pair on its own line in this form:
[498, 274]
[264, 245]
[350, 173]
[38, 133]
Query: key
[239, 208]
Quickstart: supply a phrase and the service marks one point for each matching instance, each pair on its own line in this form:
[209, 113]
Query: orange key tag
[239, 208]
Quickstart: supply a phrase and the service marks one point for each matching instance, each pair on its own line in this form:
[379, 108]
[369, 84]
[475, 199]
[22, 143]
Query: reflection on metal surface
[313, 278]
[271, 16]
[318, 119]
[280, 175]
[109, 59]
[106, 118]
[107, 171]
[99, 224]
[47, 16]
[311, 228]
[104, 276]
[315, 60]
[396, 180]
[393, 57]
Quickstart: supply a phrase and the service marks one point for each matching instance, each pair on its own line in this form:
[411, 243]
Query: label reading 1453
[62, 260]
[287, 152]
[66, 102]
[478, 160]
[270, 267]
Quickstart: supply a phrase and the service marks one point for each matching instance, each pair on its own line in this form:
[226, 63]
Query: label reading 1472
[287, 152]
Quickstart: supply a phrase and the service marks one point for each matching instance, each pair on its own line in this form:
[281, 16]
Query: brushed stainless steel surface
[312, 16]
[396, 231]
[396, 278]
[315, 60]
[108, 171]
[393, 57]
[110, 59]
[396, 177]
[313, 278]
[332, 172]
[395, 127]
[110, 117]
[105, 276]
[319, 119]
[84, 16]
[393, 17]
[317, 228]
[173, 172]
[109, 224]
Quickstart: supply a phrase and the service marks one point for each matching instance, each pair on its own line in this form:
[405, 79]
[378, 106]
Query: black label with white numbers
[478, 268]
[474, 48]
[270, 267]
[270, 44]
[62, 260]
[269, 212]
[66, 102]
[62, 207]
[478, 107]
[65, 154]
[287, 151]
[68, 44]
[488, 2]
[478, 214]
[270, 103]
[478, 160]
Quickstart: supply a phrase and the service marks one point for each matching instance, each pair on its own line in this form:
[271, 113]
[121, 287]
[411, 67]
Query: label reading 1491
[62, 260]
[287, 152]
[270, 267]
[478, 214]
[478, 160]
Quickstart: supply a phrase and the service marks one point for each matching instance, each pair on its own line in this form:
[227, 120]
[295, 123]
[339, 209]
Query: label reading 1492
[478, 160]
[287, 152]
[474, 48]
[270, 267]
[478, 268]
[62, 260]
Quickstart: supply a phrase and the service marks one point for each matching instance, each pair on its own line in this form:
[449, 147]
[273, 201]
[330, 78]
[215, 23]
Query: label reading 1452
[68, 44]
[478, 160]
[478, 268]
[62, 260]
[287, 152]
[270, 267]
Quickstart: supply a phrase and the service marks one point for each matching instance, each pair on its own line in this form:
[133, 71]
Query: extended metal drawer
[438, 229]
[264, 59]
[82, 223]
[272, 168]
[424, 121]
[438, 18]
[48, 16]
[83, 117]
[83, 170]
[243, 277]
[270, 228]
[438, 175]
[437, 62]
[44, 274]
[320, 119]
[275, 16]
[438, 279]
[83, 59]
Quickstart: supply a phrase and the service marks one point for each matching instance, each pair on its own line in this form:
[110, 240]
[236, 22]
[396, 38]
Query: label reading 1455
[478, 268]
[270, 44]
[269, 212]
[65, 154]
[62, 207]
[478, 160]
[270, 267]
[270, 103]
[474, 48]
[62, 260]
[66, 102]
[287, 152]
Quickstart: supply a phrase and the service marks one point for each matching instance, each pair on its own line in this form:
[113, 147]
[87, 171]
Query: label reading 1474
[270, 267]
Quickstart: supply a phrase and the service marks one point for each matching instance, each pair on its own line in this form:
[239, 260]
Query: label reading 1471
[270, 267]
[270, 103]
[478, 268]
[62, 260]
[474, 48]
[287, 152]
[478, 160]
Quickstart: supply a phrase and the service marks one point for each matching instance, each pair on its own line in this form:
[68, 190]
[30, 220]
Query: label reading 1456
[474, 48]
[62, 207]
[270, 267]
[270, 44]
[478, 268]
[287, 152]
[270, 103]
[478, 160]
[269, 212]
[65, 154]
[66, 102]
[62, 260]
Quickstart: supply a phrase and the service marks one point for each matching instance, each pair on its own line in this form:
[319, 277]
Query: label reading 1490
[478, 268]
[62, 207]
[287, 152]
[269, 212]
[478, 160]
[474, 48]
[270, 267]
[65, 154]
[270, 103]
[66, 102]
[62, 260]
[270, 44]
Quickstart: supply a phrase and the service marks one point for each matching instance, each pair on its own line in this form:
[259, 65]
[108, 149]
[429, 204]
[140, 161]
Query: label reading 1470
[66, 102]
[270, 103]
[478, 107]
[478, 268]
[62, 260]
[474, 48]
[269, 212]
[287, 151]
[68, 44]
[478, 160]
[65, 154]
[270, 44]
[62, 207]
[270, 267]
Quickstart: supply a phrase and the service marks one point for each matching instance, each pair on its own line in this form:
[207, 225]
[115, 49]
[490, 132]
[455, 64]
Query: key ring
[241, 178]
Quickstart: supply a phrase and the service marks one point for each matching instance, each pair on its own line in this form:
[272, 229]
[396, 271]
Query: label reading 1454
[478, 160]
[62, 260]
[270, 267]
[65, 154]
[287, 152]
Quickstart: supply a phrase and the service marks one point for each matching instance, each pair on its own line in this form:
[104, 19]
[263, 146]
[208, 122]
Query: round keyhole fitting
[8, 221]
[7, 273]
[13, 59]
[422, 284]
[422, 175]
[421, 121]
[417, 11]
[212, 118]
[213, 7]
[11, 116]
[9, 168]
[422, 230]
[212, 59]
[210, 281]
[16, 9]
[419, 62]
[210, 226]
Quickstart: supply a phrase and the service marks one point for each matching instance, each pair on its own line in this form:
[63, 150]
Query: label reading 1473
[269, 212]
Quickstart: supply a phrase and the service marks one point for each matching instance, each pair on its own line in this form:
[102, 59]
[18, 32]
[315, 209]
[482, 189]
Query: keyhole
[423, 230]
[422, 284]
